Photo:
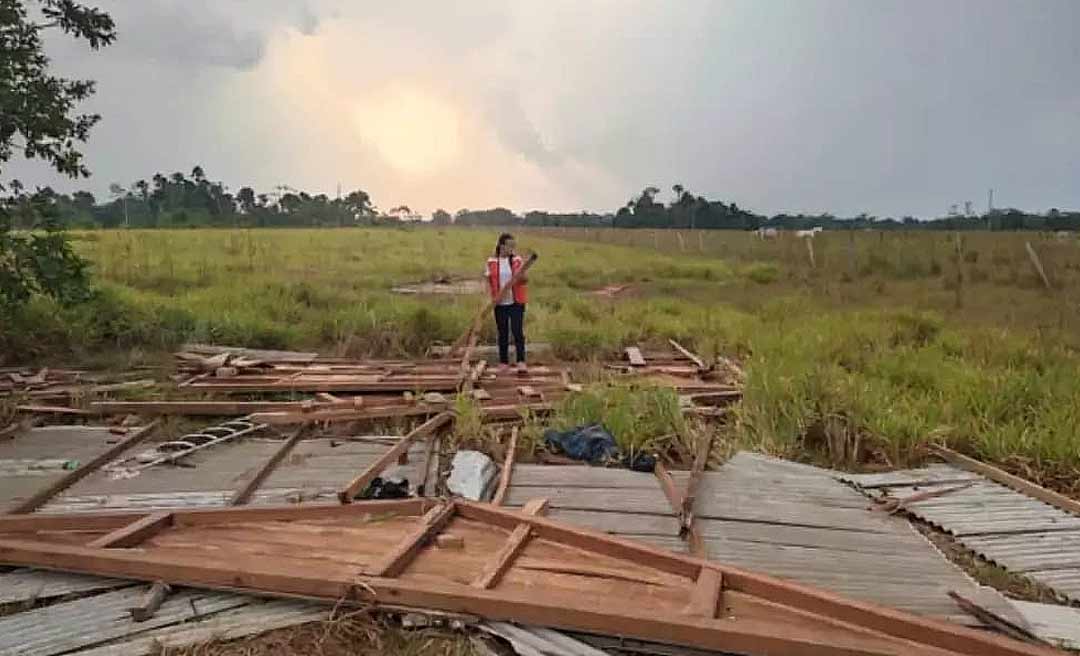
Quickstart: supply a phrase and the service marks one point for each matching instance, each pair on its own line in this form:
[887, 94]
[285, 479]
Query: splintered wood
[564, 577]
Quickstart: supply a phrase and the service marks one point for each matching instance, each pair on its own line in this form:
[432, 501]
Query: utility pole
[990, 200]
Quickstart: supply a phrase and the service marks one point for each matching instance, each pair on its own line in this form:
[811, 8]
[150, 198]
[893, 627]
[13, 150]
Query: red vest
[521, 293]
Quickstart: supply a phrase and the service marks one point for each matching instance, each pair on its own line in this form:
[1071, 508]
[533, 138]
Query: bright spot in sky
[413, 131]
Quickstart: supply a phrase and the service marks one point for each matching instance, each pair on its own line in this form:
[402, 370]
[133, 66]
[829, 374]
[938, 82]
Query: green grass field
[888, 342]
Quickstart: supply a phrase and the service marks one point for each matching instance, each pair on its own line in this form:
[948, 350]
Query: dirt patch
[612, 291]
[459, 287]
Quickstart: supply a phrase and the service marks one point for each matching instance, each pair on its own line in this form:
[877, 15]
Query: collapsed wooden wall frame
[627, 589]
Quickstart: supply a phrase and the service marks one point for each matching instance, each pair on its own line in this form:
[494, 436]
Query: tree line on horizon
[179, 200]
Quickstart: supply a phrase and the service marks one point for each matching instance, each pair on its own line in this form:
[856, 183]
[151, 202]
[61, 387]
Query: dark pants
[510, 318]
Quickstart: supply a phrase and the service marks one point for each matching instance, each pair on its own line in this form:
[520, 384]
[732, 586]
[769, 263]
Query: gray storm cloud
[891, 107]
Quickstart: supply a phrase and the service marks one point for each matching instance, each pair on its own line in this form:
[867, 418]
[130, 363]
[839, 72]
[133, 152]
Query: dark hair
[503, 238]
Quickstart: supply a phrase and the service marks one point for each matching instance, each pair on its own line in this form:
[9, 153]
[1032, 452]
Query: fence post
[959, 271]
[1038, 263]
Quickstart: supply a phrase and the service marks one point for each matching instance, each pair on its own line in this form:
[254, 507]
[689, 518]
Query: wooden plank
[667, 484]
[238, 384]
[583, 538]
[695, 541]
[701, 458]
[1015, 482]
[42, 497]
[633, 354]
[195, 408]
[332, 414]
[243, 495]
[430, 463]
[134, 533]
[358, 484]
[107, 521]
[689, 355]
[53, 410]
[504, 559]
[507, 469]
[150, 602]
[395, 562]
[705, 599]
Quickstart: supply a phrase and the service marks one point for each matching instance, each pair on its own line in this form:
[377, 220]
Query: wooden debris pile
[49, 385]
[350, 390]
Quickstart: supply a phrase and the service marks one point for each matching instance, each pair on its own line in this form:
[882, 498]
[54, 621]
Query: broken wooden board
[565, 577]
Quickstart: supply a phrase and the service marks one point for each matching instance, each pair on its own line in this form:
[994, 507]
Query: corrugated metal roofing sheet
[257, 617]
[72, 625]
[536, 641]
[36, 584]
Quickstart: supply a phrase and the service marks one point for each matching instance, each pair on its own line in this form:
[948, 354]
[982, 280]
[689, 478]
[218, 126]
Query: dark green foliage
[179, 201]
[36, 108]
[37, 120]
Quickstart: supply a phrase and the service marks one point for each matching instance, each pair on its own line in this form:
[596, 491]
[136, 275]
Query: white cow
[767, 233]
[808, 233]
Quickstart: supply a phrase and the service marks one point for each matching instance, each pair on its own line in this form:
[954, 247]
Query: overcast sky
[888, 107]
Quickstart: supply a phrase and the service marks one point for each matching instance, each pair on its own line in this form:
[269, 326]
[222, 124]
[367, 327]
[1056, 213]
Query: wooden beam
[688, 354]
[243, 495]
[238, 384]
[701, 459]
[1003, 477]
[507, 469]
[705, 599]
[150, 602]
[107, 521]
[504, 559]
[345, 413]
[42, 497]
[430, 459]
[195, 408]
[395, 562]
[667, 484]
[633, 354]
[134, 533]
[918, 636]
[695, 541]
[358, 484]
[475, 374]
[584, 538]
[53, 410]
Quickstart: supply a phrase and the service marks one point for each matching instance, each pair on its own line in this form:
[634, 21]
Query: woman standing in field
[510, 305]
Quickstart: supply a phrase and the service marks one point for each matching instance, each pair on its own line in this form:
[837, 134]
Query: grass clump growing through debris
[640, 417]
